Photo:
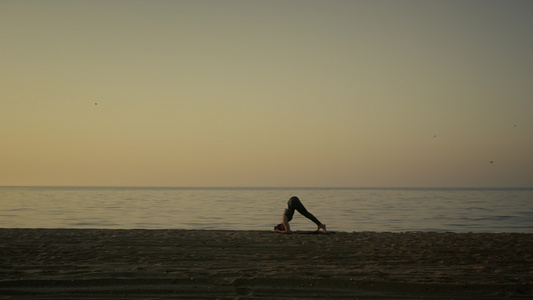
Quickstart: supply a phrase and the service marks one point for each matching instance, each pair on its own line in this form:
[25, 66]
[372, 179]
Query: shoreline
[233, 264]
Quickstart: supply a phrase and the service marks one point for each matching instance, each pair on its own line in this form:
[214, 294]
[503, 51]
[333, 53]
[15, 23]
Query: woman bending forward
[295, 204]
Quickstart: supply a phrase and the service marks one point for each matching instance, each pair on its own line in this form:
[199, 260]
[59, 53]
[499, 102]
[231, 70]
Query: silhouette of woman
[295, 204]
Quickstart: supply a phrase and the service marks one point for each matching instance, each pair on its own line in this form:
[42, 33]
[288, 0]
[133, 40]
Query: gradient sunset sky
[267, 93]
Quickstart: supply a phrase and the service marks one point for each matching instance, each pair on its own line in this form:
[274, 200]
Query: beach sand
[218, 264]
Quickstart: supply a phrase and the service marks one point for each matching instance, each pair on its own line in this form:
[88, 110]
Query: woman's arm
[285, 222]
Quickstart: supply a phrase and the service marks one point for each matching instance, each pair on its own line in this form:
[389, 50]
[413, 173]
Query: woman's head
[279, 227]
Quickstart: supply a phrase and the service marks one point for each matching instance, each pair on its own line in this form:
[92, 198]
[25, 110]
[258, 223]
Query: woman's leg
[297, 204]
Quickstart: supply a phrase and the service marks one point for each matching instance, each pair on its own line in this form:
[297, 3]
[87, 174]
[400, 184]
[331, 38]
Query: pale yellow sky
[266, 93]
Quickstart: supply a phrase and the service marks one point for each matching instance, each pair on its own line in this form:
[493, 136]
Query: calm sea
[342, 209]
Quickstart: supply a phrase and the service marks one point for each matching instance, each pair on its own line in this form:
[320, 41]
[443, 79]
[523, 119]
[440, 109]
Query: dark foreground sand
[189, 264]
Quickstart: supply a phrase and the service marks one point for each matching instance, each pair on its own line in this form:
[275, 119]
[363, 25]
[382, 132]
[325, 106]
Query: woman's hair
[279, 227]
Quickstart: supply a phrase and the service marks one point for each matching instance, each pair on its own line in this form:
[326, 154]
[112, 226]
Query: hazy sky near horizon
[266, 93]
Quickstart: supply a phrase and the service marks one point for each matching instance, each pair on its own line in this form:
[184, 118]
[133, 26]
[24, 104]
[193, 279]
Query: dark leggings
[295, 204]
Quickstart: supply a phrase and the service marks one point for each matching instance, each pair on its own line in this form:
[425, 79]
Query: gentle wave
[342, 209]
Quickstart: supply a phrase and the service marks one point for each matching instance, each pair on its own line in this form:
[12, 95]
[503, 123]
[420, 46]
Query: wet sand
[218, 264]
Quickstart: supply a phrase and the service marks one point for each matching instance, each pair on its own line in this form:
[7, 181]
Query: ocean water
[342, 209]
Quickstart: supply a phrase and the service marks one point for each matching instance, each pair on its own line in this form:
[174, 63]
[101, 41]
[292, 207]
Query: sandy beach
[205, 264]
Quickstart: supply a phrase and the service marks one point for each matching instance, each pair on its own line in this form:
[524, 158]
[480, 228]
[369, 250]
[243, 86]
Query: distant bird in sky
[95, 103]
[491, 161]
